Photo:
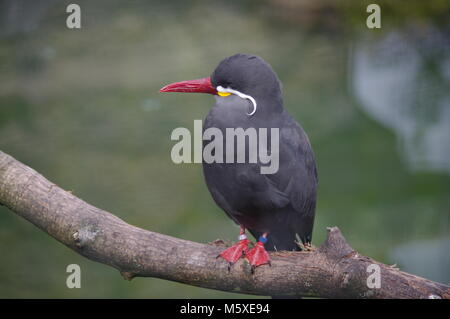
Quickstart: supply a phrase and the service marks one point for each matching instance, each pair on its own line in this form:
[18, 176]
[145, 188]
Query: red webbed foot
[258, 255]
[235, 252]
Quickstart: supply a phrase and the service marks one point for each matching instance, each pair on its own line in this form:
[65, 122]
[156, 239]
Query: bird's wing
[265, 192]
[300, 171]
[297, 179]
[295, 182]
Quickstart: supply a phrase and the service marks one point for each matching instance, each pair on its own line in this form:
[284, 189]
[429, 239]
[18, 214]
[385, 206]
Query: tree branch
[333, 270]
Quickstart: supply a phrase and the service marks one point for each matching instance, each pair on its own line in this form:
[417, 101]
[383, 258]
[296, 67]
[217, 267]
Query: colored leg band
[242, 237]
[262, 239]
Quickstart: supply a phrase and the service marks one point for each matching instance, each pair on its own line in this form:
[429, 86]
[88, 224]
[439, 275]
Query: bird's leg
[235, 252]
[258, 255]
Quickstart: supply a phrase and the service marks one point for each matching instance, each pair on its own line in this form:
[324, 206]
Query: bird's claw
[233, 253]
[258, 256]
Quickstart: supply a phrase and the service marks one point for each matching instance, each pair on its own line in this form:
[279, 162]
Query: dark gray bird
[277, 208]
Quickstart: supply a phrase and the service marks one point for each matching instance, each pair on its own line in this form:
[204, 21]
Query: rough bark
[334, 270]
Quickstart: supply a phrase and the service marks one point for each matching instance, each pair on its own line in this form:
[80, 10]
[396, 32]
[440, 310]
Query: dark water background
[82, 108]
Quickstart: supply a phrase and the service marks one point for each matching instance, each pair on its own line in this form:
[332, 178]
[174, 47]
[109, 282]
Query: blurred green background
[82, 108]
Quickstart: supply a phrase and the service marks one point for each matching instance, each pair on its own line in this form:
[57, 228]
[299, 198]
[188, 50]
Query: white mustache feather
[241, 95]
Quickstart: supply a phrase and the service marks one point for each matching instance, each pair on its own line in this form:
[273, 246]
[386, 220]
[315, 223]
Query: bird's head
[247, 76]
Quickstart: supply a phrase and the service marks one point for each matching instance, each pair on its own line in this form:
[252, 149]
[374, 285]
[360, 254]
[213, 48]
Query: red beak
[192, 86]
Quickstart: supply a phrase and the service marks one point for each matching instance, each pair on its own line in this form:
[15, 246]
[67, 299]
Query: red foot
[258, 255]
[235, 252]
